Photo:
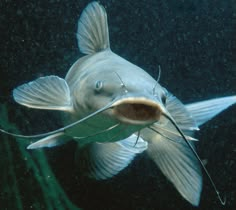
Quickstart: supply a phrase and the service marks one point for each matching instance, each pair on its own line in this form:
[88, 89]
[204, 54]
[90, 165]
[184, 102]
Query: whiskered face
[130, 104]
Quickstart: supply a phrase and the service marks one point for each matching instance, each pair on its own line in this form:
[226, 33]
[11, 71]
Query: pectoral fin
[49, 92]
[177, 162]
[181, 115]
[104, 160]
[50, 141]
[206, 110]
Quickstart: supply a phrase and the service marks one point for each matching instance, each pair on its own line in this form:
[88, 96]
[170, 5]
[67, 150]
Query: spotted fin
[92, 34]
[50, 141]
[50, 92]
[104, 160]
[177, 162]
[206, 110]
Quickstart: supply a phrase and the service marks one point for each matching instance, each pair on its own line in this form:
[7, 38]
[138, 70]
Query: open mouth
[137, 110]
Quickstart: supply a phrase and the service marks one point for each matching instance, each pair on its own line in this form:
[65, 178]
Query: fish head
[127, 102]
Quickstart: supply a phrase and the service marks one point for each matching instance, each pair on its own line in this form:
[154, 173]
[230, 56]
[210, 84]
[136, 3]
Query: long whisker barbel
[137, 138]
[156, 131]
[189, 138]
[122, 83]
[113, 137]
[158, 79]
[108, 106]
[97, 133]
[222, 200]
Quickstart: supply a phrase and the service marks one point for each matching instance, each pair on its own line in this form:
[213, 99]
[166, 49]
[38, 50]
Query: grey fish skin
[129, 109]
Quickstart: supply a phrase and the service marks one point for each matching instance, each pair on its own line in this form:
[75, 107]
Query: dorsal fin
[92, 34]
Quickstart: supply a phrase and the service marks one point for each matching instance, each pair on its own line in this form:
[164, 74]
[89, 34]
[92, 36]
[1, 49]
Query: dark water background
[193, 41]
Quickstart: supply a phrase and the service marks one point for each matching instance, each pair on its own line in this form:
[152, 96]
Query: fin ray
[179, 112]
[104, 160]
[50, 92]
[92, 34]
[177, 163]
[205, 110]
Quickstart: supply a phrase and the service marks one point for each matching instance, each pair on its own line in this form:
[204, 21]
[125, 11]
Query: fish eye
[163, 99]
[98, 85]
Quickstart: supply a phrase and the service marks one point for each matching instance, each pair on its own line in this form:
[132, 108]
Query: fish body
[115, 110]
[110, 70]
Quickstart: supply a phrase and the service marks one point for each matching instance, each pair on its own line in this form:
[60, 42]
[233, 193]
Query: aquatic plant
[27, 180]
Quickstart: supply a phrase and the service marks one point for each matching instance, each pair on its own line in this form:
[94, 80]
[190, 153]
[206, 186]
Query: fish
[115, 110]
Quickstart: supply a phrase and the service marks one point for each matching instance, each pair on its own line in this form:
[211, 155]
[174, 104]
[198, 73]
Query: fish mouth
[139, 111]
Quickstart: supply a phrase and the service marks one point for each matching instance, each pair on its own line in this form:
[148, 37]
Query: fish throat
[137, 111]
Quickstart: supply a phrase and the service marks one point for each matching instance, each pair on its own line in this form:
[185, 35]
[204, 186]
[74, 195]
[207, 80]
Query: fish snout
[139, 111]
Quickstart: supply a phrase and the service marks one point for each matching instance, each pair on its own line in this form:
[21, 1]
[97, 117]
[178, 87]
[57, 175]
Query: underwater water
[194, 42]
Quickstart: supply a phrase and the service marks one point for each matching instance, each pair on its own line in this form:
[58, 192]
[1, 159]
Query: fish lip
[137, 110]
